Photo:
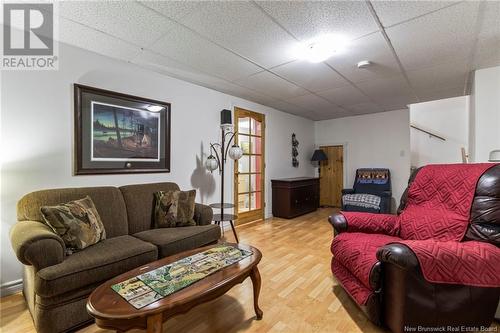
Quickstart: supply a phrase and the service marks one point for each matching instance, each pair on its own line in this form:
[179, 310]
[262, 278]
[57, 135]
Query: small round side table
[220, 218]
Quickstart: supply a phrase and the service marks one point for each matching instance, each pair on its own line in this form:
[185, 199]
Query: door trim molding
[250, 215]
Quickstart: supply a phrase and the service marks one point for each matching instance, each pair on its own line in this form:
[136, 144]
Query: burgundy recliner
[436, 263]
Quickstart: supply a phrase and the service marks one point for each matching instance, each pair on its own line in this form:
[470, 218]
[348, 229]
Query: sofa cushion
[357, 253]
[108, 202]
[174, 240]
[140, 201]
[99, 262]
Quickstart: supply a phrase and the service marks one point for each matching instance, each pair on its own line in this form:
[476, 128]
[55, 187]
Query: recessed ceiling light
[154, 108]
[321, 48]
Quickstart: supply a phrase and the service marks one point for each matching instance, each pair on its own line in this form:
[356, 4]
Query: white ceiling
[421, 50]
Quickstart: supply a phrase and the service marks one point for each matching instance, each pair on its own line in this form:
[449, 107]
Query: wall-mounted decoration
[119, 133]
[295, 151]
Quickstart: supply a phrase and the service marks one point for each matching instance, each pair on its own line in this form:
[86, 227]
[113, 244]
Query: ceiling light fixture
[321, 48]
[154, 108]
[364, 64]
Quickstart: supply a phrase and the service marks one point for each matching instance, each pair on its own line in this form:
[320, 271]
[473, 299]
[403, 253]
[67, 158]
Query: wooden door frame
[255, 215]
[344, 160]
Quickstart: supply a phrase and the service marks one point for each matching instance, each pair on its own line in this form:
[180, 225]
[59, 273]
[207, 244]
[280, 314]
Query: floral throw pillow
[174, 209]
[77, 222]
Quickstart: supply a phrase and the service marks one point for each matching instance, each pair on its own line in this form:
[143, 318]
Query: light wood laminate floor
[298, 291]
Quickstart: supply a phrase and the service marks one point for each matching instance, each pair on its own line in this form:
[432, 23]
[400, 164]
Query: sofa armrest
[35, 244]
[203, 214]
[399, 255]
[365, 222]
[347, 191]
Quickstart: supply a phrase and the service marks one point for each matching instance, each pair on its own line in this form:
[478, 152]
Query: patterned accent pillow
[174, 209]
[77, 222]
[165, 209]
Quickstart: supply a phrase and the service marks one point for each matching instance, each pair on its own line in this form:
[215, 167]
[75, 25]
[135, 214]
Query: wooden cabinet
[295, 196]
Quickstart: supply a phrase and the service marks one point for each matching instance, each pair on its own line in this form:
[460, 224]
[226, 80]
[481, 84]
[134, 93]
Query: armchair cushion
[439, 201]
[361, 200]
[470, 263]
[357, 253]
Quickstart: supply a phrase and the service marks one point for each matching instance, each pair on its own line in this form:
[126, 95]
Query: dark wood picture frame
[84, 99]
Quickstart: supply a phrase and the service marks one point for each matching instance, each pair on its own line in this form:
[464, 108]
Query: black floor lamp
[221, 151]
[318, 156]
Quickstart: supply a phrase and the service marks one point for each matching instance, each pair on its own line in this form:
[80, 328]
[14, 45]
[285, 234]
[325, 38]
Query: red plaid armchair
[437, 262]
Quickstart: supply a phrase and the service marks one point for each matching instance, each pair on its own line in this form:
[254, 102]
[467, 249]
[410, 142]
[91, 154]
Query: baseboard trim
[11, 287]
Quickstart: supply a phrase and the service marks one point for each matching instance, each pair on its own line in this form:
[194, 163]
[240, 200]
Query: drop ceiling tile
[170, 67]
[433, 94]
[290, 108]
[83, 37]
[189, 48]
[366, 107]
[490, 25]
[439, 77]
[396, 102]
[344, 96]
[393, 12]
[333, 114]
[312, 76]
[173, 9]
[272, 85]
[308, 19]
[124, 19]
[312, 102]
[445, 35]
[243, 28]
[373, 48]
[387, 90]
[487, 53]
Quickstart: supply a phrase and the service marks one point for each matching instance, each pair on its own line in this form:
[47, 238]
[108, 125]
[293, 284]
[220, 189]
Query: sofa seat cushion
[174, 240]
[97, 263]
[357, 252]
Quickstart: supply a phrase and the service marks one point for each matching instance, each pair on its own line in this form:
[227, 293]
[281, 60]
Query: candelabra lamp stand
[219, 153]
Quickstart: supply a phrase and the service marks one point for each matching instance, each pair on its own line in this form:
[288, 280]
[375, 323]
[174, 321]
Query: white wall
[373, 140]
[37, 133]
[448, 118]
[485, 116]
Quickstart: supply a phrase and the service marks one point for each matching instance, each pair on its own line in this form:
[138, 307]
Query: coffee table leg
[255, 276]
[234, 231]
[155, 323]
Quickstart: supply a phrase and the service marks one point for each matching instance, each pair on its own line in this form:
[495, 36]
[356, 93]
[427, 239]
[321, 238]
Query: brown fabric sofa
[56, 286]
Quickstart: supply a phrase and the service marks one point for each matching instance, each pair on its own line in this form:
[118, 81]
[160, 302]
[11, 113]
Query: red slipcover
[432, 225]
[372, 223]
[357, 252]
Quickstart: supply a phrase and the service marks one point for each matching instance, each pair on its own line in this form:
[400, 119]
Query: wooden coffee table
[113, 312]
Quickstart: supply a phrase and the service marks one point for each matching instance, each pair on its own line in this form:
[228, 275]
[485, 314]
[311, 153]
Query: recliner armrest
[399, 255]
[203, 214]
[370, 223]
[347, 191]
[385, 194]
[338, 222]
[34, 243]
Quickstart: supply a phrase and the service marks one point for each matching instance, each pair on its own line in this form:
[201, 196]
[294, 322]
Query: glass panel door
[249, 169]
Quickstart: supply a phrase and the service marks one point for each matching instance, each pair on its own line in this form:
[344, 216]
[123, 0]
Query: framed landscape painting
[119, 133]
